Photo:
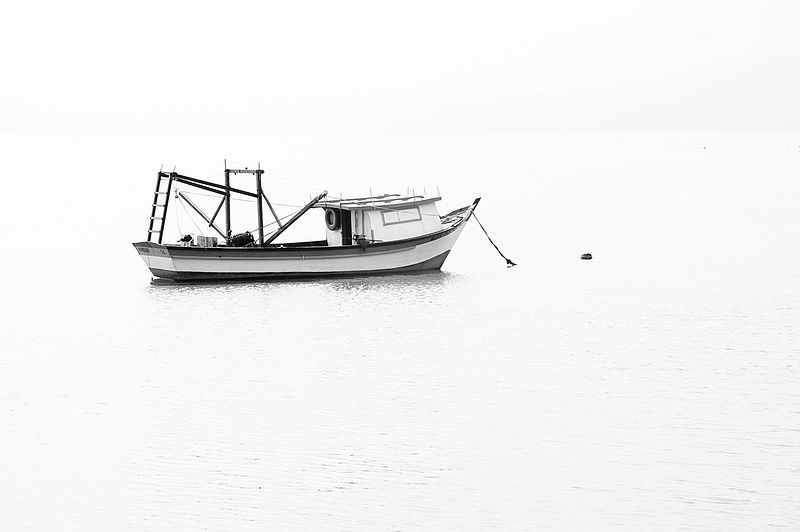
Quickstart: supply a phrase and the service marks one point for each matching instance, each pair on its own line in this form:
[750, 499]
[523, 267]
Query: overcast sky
[303, 67]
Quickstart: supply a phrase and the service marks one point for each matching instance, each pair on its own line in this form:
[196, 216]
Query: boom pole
[201, 213]
[294, 218]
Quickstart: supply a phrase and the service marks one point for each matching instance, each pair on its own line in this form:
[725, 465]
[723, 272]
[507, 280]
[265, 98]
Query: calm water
[656, 387]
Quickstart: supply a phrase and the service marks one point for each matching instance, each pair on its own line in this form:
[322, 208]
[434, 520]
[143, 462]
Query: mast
[227, 201]
[259, 193]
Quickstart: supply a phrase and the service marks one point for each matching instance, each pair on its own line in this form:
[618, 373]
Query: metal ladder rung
[155, 220]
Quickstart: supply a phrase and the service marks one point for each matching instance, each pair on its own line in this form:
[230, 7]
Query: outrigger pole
[299, 213]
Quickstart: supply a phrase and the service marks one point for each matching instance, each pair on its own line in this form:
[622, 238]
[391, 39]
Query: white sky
[417, 67]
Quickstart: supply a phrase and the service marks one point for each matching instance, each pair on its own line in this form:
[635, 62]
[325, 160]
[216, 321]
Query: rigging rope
[178, 219]
[249, 200]
[273, 223]
[508, 261]
[199, 231]
[291, 180]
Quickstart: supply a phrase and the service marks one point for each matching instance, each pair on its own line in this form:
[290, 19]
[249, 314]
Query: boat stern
[157, 258]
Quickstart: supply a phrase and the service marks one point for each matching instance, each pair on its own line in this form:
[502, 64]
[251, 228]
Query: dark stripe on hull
[431, 264]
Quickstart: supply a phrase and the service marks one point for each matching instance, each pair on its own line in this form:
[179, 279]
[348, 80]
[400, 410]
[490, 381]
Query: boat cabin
[379, 218]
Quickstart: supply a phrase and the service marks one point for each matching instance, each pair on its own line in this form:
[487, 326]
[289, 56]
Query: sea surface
[655, 387]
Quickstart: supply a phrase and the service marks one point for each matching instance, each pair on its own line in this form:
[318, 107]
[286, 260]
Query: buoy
[586, 256]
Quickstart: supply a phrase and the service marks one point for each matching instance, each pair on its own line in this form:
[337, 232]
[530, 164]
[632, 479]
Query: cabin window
[400, 216]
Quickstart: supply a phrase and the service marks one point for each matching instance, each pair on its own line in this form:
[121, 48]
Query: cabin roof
[383, 201]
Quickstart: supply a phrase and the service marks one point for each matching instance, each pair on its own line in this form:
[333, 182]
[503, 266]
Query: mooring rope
[508, 261]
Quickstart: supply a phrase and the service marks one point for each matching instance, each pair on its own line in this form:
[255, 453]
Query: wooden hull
[179, 263]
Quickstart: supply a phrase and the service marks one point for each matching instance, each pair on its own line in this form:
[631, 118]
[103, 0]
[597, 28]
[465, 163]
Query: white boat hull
[427, 252]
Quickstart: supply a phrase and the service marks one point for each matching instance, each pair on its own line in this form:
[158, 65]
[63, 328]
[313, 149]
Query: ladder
[158, 216]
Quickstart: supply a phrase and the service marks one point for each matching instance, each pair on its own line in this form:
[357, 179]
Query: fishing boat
[371, 235]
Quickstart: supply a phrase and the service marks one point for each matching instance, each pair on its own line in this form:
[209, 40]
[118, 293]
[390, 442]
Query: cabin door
[347, 228]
